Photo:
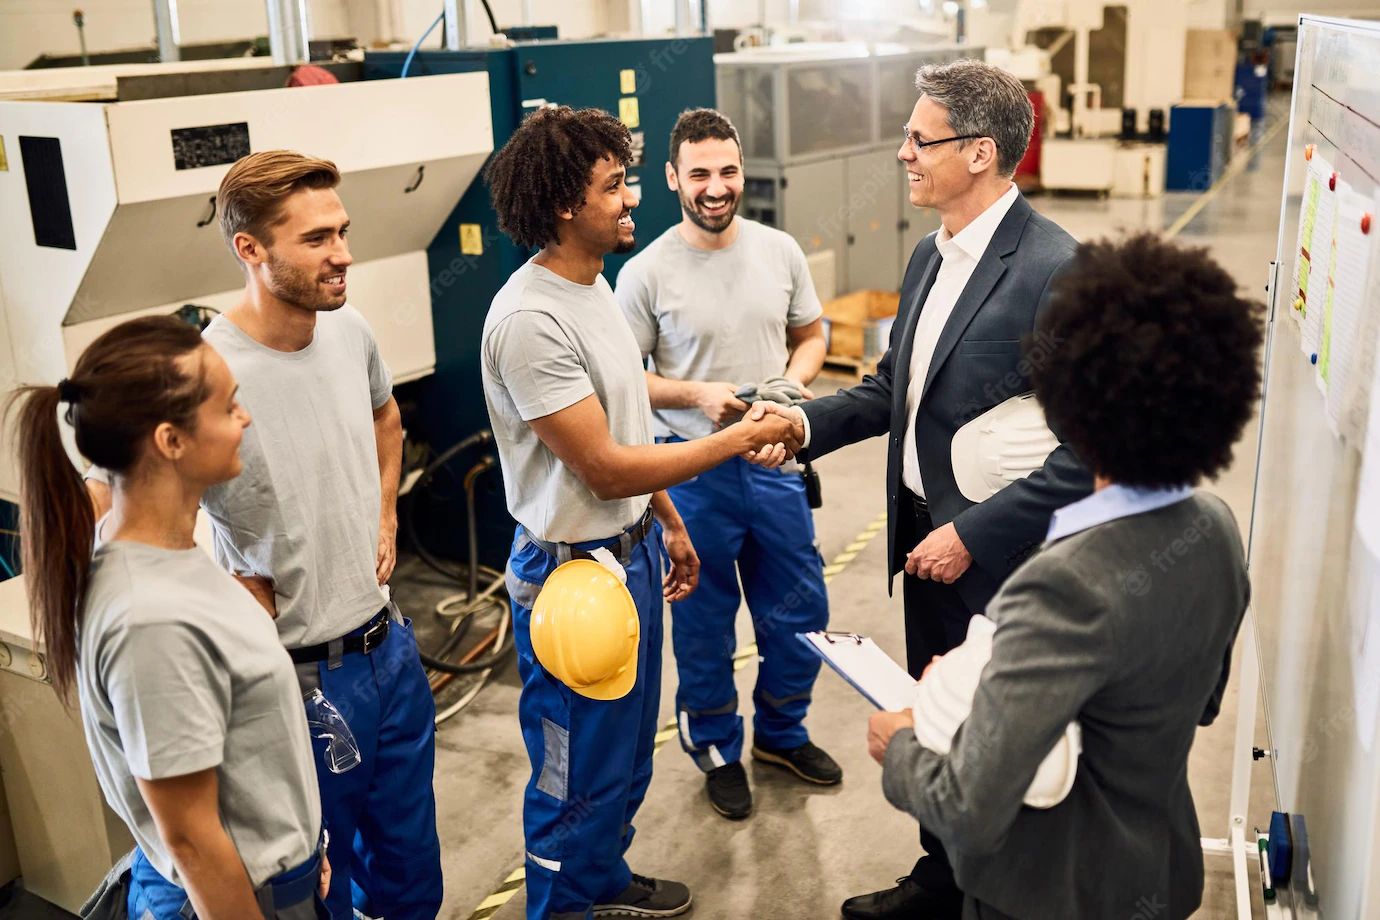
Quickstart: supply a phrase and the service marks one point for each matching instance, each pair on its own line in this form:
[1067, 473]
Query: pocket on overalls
[554, 779]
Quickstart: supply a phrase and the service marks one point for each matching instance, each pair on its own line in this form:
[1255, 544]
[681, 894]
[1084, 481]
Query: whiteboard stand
[1237, 844]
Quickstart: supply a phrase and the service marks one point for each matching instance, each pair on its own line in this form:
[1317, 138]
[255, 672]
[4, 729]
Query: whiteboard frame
[1253, 693]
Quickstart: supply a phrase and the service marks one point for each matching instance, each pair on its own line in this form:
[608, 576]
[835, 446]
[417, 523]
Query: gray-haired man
[971, 292]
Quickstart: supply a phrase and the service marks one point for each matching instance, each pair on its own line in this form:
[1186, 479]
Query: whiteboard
[1315, 583]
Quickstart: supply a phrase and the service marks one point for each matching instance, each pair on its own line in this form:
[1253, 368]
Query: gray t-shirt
[716, 315]
[305, 512]
[549, 343]
[180, 670]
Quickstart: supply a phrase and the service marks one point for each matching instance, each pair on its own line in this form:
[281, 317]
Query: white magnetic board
[1315, 582]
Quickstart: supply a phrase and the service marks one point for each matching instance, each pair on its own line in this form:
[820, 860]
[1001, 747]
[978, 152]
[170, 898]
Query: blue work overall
[384, 851]
[752, 522]
[591, 759]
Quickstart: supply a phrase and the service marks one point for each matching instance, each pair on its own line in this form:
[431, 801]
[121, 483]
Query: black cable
[493, 23]
[423, 483]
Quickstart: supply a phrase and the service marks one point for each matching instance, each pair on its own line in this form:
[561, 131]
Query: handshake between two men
[940, 556]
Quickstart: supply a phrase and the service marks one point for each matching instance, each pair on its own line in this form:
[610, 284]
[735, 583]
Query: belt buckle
[373, 638]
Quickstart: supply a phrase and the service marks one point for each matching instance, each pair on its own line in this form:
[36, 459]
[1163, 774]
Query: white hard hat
[1006, 443]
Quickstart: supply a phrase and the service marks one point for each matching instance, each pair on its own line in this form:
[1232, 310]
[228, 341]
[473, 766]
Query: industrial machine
[1095, 62]
[648, 83]
[820, 125]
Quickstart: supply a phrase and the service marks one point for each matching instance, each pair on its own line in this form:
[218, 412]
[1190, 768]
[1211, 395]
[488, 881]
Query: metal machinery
[1094, 59]
[820, 125]
[648, 82]
[106, 212]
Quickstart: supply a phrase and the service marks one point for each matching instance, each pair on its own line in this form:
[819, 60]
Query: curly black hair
[546, 167]
[1154, 368]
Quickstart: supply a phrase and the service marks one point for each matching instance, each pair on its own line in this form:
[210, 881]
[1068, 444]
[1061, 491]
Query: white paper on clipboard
[871, 671]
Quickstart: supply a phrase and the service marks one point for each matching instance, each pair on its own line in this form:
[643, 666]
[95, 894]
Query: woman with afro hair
[1125, 618]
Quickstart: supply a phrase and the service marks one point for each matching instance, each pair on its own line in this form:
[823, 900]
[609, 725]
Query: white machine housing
[144, 238]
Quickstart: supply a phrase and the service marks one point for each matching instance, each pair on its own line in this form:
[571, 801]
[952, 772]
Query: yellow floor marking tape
[741, 659]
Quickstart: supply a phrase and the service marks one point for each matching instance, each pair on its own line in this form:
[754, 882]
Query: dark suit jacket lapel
[900, 371]
[985, 277]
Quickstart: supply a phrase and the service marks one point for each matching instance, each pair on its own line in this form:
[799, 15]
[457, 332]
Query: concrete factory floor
[805, 850]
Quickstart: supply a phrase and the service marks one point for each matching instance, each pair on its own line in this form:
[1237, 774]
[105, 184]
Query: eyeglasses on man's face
[913, 138]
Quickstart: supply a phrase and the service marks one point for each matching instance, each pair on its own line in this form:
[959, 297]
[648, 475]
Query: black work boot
[729, 792]
[647, 897]
[807, 762]
[907, 901]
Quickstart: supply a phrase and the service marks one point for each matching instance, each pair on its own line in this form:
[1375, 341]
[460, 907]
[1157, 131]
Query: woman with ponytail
[191, 706]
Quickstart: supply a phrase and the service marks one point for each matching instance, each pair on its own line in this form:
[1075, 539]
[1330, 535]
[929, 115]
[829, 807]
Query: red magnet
[1332, 183]
[1365, 223]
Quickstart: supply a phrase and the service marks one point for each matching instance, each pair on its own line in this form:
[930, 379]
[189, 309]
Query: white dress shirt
[961, 254]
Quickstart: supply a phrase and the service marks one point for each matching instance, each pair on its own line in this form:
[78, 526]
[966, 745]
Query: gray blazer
[978, 363]
[1127, 627]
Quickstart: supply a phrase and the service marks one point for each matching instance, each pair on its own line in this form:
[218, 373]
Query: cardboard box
[1210, 65]
[857, 308]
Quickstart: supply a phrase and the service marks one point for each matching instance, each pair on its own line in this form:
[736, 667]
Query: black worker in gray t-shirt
[567, 398]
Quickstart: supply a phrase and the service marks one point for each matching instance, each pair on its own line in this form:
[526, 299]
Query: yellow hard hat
[585, 630]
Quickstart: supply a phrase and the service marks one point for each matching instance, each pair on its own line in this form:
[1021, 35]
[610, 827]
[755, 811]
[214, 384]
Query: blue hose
[413, 53]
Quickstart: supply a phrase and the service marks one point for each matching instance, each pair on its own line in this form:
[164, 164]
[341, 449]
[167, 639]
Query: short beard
[622, 248]
[708, 225]
[295, 287]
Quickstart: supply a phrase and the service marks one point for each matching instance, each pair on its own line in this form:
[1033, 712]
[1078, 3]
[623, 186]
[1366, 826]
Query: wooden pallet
[854, 369]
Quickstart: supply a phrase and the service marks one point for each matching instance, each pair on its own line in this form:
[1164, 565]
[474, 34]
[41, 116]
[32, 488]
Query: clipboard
[868, 669]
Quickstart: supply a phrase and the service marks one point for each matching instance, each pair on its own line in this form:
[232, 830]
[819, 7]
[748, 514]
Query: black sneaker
[647, 897]
[807, 762]
[729, 792]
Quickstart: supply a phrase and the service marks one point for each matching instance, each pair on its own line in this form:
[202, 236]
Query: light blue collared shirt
[1115, 501]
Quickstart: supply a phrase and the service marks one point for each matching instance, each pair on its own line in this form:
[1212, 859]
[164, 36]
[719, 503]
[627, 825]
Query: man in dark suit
[971, 292]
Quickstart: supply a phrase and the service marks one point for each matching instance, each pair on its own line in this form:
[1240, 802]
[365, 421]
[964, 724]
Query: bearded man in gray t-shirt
[718, 304]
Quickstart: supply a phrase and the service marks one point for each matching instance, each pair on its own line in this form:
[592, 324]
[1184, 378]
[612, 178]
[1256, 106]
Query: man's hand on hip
[941, 556]
[388, 547]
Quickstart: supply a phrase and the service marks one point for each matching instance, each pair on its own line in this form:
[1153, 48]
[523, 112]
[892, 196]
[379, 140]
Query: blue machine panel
[666, 76]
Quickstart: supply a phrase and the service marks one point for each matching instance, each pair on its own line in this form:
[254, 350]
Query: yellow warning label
[4, 163]
[627, 82]
[471, 240]
[627, 112]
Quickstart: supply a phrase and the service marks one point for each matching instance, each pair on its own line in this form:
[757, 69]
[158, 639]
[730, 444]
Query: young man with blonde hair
[309, 527]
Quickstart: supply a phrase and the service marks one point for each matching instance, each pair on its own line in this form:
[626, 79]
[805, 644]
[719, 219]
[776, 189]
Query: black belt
[365, 642]
[918, 505]
[631, 537]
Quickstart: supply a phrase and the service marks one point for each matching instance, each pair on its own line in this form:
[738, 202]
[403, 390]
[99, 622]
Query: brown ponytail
[125, 385]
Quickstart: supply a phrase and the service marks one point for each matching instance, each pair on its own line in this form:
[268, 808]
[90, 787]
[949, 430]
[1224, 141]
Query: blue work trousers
[384, 852]
[290, 896]
[591, 759]
[755, 524]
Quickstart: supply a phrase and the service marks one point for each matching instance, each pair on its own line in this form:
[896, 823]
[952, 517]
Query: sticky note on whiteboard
[627, 112]
[627, 82]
